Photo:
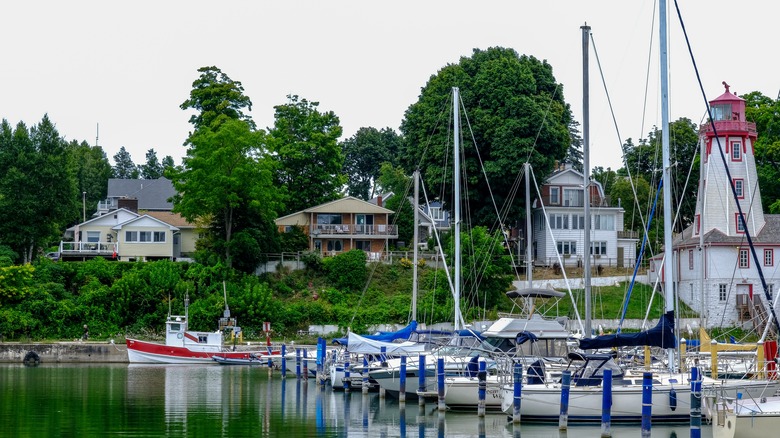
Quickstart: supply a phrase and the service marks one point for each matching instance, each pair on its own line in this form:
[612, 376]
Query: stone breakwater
[65, 352]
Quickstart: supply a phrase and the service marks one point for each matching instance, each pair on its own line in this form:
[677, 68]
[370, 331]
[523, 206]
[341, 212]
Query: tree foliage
[516, 113]
[216, 98]
[92, 171]
[124, 167]
[38, 192]
[152, 168]
[304, 143]
[364, 154]
[765, 113]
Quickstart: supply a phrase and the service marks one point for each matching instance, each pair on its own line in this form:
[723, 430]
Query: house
[342, 225]
[122, 230]
[714, 270]
[559, 224]
[432, 215]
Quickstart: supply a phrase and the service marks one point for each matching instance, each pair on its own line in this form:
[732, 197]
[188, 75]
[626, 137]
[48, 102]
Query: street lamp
[84, 206]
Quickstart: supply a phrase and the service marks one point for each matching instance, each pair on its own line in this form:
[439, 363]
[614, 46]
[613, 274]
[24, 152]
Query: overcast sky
[127, 66]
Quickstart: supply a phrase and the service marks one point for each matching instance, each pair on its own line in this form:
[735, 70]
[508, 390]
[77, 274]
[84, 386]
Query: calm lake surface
[75, 400]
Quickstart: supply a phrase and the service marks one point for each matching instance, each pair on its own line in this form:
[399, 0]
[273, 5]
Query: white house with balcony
[559, 224]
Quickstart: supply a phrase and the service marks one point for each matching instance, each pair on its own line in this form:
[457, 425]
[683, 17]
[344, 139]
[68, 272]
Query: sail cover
[662, 335]
[404, 334]
[364, 345]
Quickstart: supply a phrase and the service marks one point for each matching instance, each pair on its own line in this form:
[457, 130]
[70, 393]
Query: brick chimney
[379, 200]
[128, 204]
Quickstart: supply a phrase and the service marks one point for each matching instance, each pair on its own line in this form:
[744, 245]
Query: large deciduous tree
[225, 181]
[304, 142]
[515, 112]
[38, 192]
[765, 113]
[364, 154]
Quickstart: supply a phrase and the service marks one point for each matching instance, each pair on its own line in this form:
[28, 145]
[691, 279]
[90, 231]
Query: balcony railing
[89, 248]
[627, 234]
[559, 202]
[730, 125]
[327, 230]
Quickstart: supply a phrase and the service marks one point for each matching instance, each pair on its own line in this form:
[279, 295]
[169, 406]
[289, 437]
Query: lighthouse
[716, 274]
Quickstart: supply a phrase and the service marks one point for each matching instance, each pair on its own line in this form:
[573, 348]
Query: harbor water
[79, 400]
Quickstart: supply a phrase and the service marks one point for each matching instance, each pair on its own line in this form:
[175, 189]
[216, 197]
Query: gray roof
[152, 194]
[769, 234]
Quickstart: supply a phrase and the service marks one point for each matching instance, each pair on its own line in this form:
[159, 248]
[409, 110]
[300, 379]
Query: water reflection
[146, 401]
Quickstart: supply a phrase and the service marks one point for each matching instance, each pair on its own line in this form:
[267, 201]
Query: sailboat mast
[456, 194]
[415, 239]
[667, 179]
[586, 175]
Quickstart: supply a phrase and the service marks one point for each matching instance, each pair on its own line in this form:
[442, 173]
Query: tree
[217, 98]
[516, 113]
[92, 171]
[167, 162]
[304, 143]
[574, 154]
[152, 169]
[364, 154]
[38, 190]
[226, 181]
[765, 113]
[124, 168]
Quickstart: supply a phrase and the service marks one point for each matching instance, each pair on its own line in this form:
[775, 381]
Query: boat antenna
[186, 305]
[169, 304]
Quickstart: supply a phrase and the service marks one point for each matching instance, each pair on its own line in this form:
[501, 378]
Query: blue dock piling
[402, 381]
[440, 383]
[606, 404]
[284, 361]
[647, 403]
[482, 377]
[298, 363]
[421, 380]
[305, 365]
[563, 419]
[347, 382]
[365, 375]
[518, 389]
[695, 403]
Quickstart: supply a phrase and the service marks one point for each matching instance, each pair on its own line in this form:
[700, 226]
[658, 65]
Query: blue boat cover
[404, 333]
[662, 335]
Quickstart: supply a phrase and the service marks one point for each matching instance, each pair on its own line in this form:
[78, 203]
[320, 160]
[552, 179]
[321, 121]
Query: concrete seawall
[65, 352]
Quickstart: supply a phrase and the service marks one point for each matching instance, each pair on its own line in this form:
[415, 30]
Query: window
[740, 222]
[329, 219]
[573, 197]
[559, 221]
[436, 213]
[567, 248]
[335, 245]
[131, 236]
[770, 289]
[721, 112]
[690, 259]
[739, 184]
[363, 245]
[577, 222]
[555, 195]
[93, 236]
[744, 258]
[144, 236]
[159, 236]
[698, 223]
[769, 257]
[603, 222]
[736, 151]
[598, 249]
[722, 294]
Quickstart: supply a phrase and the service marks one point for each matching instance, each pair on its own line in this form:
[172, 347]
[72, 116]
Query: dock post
[284, 361]
[714, 359]
[440, 383]
[606, 404]
[305, 365]
[683, 355]
[421, 386]
[347, 382]
[365, 375]
[482, 376]
[647, 403]
[518, 389]
[402, 382]
[695, 403]
[563, 419]
[298, 363]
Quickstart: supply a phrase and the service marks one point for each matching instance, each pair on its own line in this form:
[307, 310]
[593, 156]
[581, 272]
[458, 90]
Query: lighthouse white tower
[716, 275]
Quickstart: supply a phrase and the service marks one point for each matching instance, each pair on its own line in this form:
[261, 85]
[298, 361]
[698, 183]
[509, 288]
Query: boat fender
[672, 399]
[31, 359]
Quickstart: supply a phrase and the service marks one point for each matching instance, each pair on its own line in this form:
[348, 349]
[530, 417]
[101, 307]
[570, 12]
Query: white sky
[127, 66]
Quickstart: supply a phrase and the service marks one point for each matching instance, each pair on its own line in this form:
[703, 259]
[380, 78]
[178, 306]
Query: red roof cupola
[728, 115]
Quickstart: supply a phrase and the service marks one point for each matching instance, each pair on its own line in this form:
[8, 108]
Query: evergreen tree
[124, 168]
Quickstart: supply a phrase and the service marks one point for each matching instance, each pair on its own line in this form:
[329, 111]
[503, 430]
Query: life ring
[31, 359]
[179, 335]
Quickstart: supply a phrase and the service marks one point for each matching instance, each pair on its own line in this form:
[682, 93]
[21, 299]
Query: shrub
[348, 270]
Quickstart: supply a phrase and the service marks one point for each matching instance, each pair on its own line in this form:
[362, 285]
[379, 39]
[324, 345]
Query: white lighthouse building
[716, 273]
